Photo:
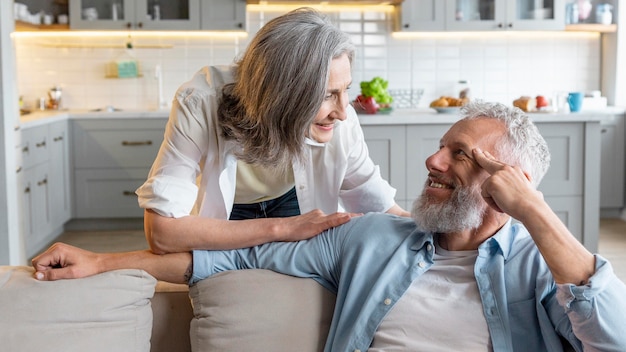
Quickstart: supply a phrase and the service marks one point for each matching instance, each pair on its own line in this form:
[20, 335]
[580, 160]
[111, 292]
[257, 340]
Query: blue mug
[575, 101]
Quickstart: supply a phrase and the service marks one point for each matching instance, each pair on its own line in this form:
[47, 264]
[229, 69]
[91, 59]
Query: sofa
[129, 310]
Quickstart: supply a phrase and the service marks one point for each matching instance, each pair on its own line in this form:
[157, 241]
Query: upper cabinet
[485, 15]
[223, 15]
[162, 15]
[482, 15]
[421, 15]
[135, 14]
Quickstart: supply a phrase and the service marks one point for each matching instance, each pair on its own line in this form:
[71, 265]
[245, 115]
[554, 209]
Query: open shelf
[592, 27]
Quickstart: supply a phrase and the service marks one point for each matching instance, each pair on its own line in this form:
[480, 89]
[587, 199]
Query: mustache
[432, 176]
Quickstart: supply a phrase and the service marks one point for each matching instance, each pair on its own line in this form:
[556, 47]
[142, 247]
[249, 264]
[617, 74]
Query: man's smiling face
[451, 200]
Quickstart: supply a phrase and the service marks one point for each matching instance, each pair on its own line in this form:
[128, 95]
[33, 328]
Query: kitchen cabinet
[134, 14]
[387, 147]
[571, 185]
[112, 158]
[43, 184]
[223, 15]
[612, 164]
[421, 15]
[481, 15]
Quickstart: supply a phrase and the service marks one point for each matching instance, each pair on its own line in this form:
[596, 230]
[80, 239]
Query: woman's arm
[397, 210]
[169, 235]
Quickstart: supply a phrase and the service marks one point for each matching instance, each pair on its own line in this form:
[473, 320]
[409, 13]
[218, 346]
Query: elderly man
[460, 275]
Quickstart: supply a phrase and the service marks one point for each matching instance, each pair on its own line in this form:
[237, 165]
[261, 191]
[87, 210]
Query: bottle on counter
[463, 87]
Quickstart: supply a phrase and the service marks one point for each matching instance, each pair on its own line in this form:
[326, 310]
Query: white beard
[464, 210]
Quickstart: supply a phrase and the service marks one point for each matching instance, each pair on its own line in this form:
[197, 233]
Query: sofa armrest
[105, 312]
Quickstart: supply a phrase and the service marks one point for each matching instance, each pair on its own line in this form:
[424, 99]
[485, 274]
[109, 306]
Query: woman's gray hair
[523, 146]
[280, 84]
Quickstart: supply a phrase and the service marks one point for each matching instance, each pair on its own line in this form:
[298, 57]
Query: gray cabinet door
[59, 174]
[566, 143]
[422, 142]
[612, 163]
[223, 15]
[386, 146]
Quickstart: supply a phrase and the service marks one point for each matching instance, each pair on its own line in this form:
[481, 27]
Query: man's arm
[62, 261]
[509, 190]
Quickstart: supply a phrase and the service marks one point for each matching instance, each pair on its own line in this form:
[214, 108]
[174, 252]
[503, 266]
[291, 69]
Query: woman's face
[335, 102]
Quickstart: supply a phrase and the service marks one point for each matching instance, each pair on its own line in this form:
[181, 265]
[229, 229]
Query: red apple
[541, 101]
[365, 104]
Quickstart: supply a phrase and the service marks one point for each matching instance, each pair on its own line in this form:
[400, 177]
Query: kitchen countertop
[396, 117]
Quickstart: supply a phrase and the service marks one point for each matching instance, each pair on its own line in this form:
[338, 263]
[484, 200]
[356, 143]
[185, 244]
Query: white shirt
[441, 311]
[195, 169]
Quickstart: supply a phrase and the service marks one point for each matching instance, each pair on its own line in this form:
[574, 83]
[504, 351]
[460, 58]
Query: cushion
[259, 310]
[105, 312]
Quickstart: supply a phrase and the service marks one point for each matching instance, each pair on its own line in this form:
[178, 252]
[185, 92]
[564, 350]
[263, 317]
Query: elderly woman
[273, 136]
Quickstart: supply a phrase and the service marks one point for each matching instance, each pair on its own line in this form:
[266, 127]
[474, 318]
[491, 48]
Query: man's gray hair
[523, 146]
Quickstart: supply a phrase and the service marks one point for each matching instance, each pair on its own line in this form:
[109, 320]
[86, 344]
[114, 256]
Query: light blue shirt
[372, 260]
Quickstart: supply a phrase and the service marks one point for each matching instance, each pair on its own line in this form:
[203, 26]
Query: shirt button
[421, 264]
[387, 301]
[429, 247]
[357, 350]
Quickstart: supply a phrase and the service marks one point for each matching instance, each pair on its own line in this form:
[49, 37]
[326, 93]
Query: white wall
[500, 66]
[11, 245]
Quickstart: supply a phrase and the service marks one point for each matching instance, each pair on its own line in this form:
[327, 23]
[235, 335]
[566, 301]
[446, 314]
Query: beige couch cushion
[259, 310]
[106, 312]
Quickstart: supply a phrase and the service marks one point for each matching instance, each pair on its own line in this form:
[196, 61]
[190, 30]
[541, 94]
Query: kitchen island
[108, 155]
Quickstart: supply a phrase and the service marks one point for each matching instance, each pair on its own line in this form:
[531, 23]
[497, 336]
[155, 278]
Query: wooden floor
[612, 243]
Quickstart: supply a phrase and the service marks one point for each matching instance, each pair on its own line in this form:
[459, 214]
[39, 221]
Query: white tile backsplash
[500, 66]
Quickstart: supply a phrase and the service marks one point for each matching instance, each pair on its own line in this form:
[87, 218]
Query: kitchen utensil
[55, 94]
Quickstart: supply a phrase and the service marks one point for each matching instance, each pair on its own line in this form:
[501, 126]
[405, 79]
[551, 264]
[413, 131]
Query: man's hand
[307, 225]
[62, 261]
[508, 189]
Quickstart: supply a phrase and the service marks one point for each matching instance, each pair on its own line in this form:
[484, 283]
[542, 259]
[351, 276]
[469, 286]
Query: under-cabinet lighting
[496, 34]
[321, 6]
[133, 34]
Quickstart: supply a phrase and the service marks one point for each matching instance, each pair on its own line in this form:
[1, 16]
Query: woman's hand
[310, 224]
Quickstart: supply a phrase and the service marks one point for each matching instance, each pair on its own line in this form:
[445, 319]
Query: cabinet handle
[510, 25]
[18, 170]
[41, 144]
[140, 25]
[131, 143]
[16, 128]
[129, 25]
[27, 190]
[25, 149]
[500, 25]
[129, 193]
[42, 182]
[603, 130]
[240, 25]
[56, 139]
[406, 25]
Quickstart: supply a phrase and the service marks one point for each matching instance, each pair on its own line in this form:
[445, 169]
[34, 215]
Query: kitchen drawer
[108, 193]
[34, 146]
[116, 144]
